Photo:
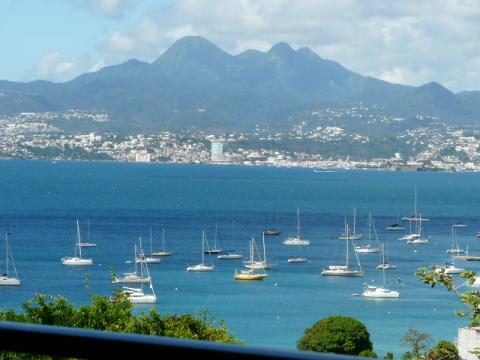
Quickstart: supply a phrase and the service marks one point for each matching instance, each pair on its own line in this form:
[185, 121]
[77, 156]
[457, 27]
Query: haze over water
[40, 202]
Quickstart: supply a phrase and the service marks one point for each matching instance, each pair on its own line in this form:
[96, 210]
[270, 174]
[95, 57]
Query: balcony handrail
[96, 344]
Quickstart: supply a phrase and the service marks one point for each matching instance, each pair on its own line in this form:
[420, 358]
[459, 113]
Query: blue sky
[409, 41]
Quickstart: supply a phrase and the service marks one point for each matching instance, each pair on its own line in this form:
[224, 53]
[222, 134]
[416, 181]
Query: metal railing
[94, 344]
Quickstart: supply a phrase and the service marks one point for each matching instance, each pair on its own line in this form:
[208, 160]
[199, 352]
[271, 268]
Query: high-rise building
[216, 152]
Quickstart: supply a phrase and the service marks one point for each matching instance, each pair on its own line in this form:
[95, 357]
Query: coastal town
[330, 145]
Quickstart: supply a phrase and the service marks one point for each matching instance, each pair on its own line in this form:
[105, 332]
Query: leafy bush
[115, 315]
[336, 334]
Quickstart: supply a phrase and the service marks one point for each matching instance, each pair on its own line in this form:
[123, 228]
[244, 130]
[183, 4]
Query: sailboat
[202, 266]
[467, 256]
[138, 295]
[397, 225]
[142, 258]
[229, 254]
[87, 243]
[271, 231]
[353, 235]
[415, 217]
[77, 260]
[164, 251]
[343, 270]
[252, 273]
[450, 268]
[380, 292]
[263, 264]
[296, 240]
[5, 278]
[300, 258]
[417, 239]
[215, 249]
[455, 243]
[132, 277]
[385, 265]
[368, 249]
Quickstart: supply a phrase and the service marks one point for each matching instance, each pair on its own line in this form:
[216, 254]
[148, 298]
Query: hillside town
[36, 136]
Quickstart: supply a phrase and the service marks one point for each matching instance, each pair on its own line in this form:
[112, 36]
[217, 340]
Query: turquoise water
[40, 202]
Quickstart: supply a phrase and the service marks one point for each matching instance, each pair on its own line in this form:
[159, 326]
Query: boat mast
[346, 257]
[453, 245]
[251, 250]
[163, 239]
[79, 240]
[151, 240]
[6, 254]
[264, 249]
[88, 230]
[354, 216]
[383, 267]
[298, 223]
[203, 246]
[369, 228]
[416, 202]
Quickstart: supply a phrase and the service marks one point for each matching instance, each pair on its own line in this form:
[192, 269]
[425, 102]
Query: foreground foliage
[337, 334]
[444, 350]
[116, 315]
[437, 276]
[418, 341]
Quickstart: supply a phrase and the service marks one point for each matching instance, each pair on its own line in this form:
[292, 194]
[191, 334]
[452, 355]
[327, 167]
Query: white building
[142, 156]
[216, 152]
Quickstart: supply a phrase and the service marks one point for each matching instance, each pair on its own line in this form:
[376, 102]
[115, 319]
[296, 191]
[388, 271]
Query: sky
[409, 42]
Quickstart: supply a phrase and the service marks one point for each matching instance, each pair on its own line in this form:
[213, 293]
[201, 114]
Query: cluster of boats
[255, 266]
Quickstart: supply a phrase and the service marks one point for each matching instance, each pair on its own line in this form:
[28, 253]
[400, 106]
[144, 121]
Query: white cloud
[54, 67]
[404, 75]
[121, 43]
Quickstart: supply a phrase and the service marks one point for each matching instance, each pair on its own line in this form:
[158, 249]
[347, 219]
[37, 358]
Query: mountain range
[195, 84]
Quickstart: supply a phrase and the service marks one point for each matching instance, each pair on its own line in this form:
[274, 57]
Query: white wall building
[216, 152]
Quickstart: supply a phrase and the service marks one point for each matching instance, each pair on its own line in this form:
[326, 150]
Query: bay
[41, 200]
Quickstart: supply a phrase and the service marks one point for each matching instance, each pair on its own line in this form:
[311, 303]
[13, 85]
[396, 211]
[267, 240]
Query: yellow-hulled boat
[249, 275]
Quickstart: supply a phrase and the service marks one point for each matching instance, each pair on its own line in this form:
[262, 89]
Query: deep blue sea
[41, 200]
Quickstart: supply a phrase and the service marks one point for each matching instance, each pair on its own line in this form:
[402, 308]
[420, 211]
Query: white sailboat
[77, 260]
[414, 237]
[132, 277]
[87, 243]
[142, 258]
[369, 249]
[344, 270]
[5, 278]
[252, 273]
[202, 266]
[415, 217]
[455, 249]
[451, 268]
[353, 235]
[163, 251]
[299, 258]
[226, 255]
[380, 292]
[138, 295]
[296, 240]
[418, 238]
[385, 265]
[263, 264]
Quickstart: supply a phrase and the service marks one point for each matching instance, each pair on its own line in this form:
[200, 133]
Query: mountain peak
[434, 87]
[281, 48]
